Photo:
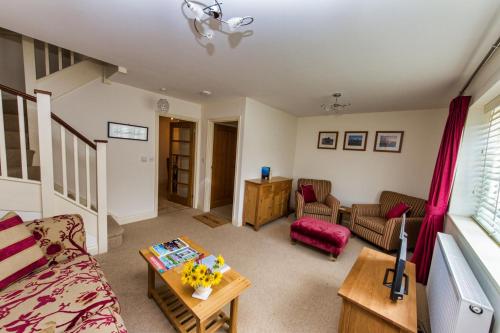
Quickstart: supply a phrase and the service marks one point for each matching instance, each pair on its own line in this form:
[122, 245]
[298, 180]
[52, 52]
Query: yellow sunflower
[188, 266]
[185, 277]
[202, 269]
[207, 280]
[217, 278]
[219, 261]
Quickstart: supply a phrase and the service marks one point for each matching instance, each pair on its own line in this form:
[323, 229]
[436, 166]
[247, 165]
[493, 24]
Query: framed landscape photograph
[355, 140]
[127, 131]
[388, 141]
[327, 140]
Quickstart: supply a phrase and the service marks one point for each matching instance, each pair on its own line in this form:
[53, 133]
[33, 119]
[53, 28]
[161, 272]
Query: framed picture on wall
[388, 141]
[355, 140]
[126, 131]
[327, 140]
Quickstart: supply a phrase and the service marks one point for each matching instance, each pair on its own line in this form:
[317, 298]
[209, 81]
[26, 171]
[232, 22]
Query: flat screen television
[399, 282]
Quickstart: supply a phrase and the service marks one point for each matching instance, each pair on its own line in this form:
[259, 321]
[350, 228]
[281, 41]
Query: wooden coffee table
[188, 314]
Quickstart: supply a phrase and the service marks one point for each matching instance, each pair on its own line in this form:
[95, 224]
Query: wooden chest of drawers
[266, 200]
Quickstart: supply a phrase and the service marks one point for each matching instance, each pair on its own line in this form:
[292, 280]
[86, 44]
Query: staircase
[13, 143]
[47, 167]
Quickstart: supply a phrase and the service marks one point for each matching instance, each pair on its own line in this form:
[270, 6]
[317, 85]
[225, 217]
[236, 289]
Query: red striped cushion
[19, 252]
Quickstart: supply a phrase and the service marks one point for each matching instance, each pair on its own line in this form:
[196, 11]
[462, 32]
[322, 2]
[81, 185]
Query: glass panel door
[181, 162]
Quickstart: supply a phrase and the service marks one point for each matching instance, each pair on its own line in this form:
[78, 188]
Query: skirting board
[133, 218]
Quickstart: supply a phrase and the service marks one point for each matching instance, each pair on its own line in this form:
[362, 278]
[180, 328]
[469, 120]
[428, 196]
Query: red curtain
[442, 181]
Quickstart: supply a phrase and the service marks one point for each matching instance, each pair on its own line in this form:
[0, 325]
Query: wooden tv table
[366, 305]
[188, 314]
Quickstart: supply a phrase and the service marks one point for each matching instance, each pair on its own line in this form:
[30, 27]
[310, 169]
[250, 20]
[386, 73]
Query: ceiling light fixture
[335, 106]
[214, 12]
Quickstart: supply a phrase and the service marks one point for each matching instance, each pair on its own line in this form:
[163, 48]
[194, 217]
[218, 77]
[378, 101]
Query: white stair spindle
[22, 137]
[3, 151]
[59, 58]
[47, 61]
[102, 198]
[72, 57]
[75, 159]
[87, 170]
[63, 157]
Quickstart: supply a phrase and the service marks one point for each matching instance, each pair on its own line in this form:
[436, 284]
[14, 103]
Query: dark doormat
[212, 220]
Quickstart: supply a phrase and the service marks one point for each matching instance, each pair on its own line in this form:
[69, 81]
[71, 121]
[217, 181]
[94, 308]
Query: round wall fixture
[163, 105]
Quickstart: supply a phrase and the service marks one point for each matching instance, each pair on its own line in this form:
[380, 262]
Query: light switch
[144, 159]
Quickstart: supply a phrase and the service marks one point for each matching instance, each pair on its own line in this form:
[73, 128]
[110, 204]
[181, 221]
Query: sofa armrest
[60, 237]
[392, 230]
[299, 205]
[364, 210]
[334, 204]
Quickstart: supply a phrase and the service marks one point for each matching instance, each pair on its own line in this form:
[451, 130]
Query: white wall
[131, 182]
[213, 111]
[268, 140]
[360, 176]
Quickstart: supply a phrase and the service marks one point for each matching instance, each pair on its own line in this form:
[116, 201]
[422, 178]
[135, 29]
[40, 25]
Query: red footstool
[323, 235]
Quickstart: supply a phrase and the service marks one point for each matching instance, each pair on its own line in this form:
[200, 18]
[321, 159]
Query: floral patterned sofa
[69, 294]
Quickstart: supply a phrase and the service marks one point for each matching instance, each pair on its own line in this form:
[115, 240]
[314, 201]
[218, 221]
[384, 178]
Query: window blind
[487, 194]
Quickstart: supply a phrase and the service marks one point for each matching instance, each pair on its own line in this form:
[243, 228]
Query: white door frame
[208, 165]
[197, 154]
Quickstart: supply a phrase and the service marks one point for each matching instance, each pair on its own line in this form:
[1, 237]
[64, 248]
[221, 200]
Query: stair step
[14, 157]
[33, 172]
[115, 233]
[12, 140]
[10, 106]
[11, 122]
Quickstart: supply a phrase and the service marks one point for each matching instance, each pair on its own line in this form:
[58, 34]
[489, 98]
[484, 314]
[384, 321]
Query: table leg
[200, 327]
[151, 280]
[233, 320]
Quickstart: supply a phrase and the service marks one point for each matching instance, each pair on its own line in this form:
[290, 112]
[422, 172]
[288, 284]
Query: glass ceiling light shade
[335, 106]
[196, 9]
[214, 12]
[236, 22]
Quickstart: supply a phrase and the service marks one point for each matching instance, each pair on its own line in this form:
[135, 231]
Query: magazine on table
[171, 254]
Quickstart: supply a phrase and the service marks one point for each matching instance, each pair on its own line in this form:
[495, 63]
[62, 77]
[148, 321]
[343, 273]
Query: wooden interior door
[181, 160]
[223, 165]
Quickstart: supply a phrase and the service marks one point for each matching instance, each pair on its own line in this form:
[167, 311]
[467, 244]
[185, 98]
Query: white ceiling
[382, 55]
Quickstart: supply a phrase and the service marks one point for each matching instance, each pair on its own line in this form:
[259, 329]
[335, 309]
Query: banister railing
[55, 117]
[13, 91]
[51, 205]
[72, 130]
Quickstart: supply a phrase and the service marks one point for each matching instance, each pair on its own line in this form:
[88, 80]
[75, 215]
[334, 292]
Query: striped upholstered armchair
[368, 220]
[325, 208]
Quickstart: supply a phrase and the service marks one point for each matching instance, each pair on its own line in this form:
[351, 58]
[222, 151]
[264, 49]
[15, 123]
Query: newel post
[45, 148]
[102, 197]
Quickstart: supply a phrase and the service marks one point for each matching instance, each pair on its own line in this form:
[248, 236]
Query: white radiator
[457, 304]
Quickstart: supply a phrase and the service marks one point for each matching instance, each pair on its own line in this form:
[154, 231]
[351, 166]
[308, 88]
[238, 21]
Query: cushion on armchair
[397, 211]
[307, 192]
[19, 252]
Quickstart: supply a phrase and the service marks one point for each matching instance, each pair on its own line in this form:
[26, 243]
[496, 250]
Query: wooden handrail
[17, 93]
[52, 115]
[72, 130]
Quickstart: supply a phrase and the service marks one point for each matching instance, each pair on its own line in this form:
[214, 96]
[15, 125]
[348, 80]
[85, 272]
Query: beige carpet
[224, 211]
[294, 288]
